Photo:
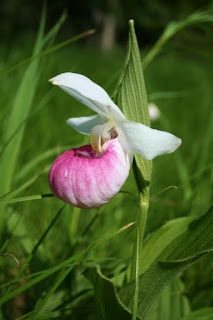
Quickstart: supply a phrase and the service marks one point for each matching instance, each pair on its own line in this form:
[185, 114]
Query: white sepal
[148, 142]
[88, 92]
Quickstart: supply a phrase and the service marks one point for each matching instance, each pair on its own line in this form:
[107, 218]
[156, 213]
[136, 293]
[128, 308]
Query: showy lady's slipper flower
[90, 176]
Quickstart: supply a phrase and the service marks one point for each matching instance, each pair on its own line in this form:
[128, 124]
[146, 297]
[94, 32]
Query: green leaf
[152, 283]
[171, 304]
[196, 240]
[160, 239]
[109, 305]
[202, 314]
[131, 94]
[175, 258]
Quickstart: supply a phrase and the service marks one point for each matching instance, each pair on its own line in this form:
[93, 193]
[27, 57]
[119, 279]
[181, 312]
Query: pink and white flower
[90, 176]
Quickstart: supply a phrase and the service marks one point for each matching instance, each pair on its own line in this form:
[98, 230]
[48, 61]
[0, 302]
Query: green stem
[135, 306]
[138, 244]
[141, 224]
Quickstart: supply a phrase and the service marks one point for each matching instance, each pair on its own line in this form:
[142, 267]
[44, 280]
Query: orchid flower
[90, 176]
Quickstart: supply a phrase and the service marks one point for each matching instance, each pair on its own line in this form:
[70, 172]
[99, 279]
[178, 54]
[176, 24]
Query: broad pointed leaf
[160, 239]
[172, 303]
[178, 255]
[131, 94]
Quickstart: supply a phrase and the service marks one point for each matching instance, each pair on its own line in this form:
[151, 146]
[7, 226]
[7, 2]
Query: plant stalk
[141, 225]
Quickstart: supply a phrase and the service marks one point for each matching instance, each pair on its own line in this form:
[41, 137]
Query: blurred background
[34, 132]
[109, 18]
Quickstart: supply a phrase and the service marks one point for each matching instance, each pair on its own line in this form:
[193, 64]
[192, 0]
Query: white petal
[148, 142]
[88, 92]
[84, 125]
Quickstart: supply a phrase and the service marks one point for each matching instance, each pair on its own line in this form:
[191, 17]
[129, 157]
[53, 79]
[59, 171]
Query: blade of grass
[25, 185]
[85, 231]
[35, 161]
[21, 108]
[55, 29]
[20, 113]
[172, 28]
[50, 50]
[13, 135]
[47, 316]
[168, 95]
[29, 166]
[182, 169]
[69, 262]
[59, 280]
[22, 103]
[22, 269]
[29, 198]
